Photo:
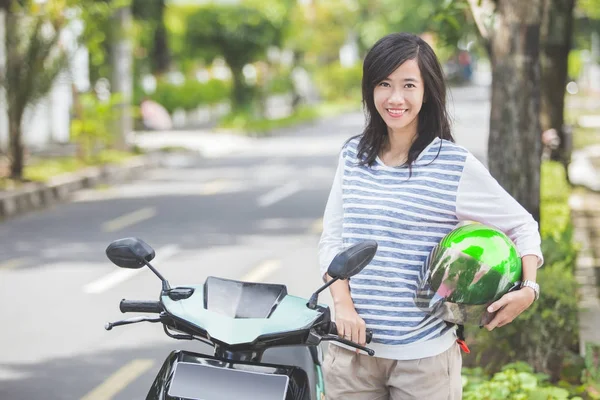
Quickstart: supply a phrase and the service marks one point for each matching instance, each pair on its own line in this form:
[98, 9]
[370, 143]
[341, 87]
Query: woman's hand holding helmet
[512, 304]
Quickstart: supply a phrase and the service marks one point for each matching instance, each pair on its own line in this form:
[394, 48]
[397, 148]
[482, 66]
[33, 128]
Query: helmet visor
[458, 288]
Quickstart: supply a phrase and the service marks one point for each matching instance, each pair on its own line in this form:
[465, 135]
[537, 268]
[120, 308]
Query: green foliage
[548, 330]
[240, 33]
[91, 129]
[188, 96]
[98, 25]
[592, 364]
[42, 170]
[34, 57]
[280, 83]
[336, 82]
[515, 382]
[590, 8]
[575, 64]
[556, 229]
[246, 121]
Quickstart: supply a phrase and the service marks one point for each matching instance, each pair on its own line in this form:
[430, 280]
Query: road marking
[129, 219]
[279, 193]
[14, 263]
[317, 227]
[119, 380]
[120, 275]
[262, 271]
[214, 187]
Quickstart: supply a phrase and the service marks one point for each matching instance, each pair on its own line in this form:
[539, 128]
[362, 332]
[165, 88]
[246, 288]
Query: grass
[244, 122]
[43, 169]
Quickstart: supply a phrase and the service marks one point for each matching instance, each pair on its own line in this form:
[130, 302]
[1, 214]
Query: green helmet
[472, 266]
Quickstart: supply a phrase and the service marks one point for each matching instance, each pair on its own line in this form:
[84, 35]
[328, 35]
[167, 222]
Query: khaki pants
[351, 376]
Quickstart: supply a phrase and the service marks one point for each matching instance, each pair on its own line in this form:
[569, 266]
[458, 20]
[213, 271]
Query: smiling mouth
[395, 112]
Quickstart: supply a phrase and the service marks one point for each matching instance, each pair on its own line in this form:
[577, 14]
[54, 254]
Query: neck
[399, 143]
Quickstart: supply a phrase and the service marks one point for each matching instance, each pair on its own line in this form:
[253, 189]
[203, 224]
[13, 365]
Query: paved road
[251, 213]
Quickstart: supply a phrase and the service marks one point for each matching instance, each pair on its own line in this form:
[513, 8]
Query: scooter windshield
[236, 323]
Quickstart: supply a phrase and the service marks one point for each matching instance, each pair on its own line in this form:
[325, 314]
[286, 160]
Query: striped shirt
[408, 216]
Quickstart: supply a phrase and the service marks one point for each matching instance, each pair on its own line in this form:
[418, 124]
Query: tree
[34, 59]
[557, 32]
[240, 33]
[152, 13]
[512, 31]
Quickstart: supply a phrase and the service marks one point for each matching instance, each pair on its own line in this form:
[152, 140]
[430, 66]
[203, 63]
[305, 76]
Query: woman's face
[399, 98]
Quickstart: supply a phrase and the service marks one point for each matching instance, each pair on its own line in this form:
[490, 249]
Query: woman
[404, 183]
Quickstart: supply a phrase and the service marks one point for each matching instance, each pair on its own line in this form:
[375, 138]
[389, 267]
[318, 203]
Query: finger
[494, 323]
[497, 305]
[341, 329]
[362, 334]
[355, 332]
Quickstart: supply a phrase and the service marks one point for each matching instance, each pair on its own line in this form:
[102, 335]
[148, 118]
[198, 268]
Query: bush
[516, 381]
[545, 333]
[188, 96]
[336, 82]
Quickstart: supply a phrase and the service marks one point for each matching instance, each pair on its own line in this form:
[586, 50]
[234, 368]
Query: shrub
[516, 381]
[190, 95]
[336, 82]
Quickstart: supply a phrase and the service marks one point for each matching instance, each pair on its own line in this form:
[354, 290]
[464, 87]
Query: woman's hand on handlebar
[350, 325]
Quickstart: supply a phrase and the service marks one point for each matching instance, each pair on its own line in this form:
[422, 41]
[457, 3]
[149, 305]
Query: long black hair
[381, 61]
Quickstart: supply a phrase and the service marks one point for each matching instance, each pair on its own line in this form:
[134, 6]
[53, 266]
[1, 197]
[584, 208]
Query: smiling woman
[404, 183]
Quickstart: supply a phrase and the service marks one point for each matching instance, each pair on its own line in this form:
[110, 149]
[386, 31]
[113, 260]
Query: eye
[410, 85]
[384, 84]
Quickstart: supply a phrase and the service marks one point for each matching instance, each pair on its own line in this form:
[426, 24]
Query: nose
[396, 97]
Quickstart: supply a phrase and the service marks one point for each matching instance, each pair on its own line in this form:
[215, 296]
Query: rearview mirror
[352, 260]
[130, 253]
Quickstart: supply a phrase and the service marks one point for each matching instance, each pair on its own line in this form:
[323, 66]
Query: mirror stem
[165, 284]
[312, 303]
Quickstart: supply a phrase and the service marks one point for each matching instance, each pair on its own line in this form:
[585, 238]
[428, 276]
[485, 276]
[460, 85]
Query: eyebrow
[405, 79]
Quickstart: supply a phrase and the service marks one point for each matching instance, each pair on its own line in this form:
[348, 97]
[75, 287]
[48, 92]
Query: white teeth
[396, 112]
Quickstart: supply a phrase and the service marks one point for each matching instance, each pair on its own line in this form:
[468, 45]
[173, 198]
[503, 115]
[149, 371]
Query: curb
[35, 196]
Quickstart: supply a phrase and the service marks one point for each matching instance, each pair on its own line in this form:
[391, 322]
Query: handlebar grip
[333, 330]
[141, 306]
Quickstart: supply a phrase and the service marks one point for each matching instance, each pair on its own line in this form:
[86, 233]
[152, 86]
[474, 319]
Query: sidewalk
[584, 171]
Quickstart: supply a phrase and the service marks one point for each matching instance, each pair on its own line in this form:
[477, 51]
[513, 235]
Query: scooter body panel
[192, 376]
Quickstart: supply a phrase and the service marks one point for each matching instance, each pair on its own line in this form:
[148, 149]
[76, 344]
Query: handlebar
[333, 330]
[141, 306]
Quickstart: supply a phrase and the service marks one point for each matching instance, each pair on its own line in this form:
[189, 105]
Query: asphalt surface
[252, 212]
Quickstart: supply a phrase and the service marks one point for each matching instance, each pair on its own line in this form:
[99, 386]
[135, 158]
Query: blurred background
[211, 130]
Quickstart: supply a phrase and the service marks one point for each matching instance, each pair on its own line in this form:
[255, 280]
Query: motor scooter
[266, 342]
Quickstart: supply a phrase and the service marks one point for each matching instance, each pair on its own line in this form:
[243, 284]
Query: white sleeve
[481, 198]
[331, 239]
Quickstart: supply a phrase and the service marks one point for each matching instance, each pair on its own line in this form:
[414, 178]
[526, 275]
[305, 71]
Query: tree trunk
[557, 28]
[242, 94]
[15, 145]
[122, 79]
[514, 148]
[160, 51]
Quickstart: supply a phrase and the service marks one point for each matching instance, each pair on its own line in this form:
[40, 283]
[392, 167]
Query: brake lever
[347, 342]
[132, 320]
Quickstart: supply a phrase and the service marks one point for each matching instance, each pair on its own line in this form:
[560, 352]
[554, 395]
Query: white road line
[279, 193]
[119, 380]
[262, 271]
[129, 219]
[14, 263]
[120, 275]
[214, 187]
